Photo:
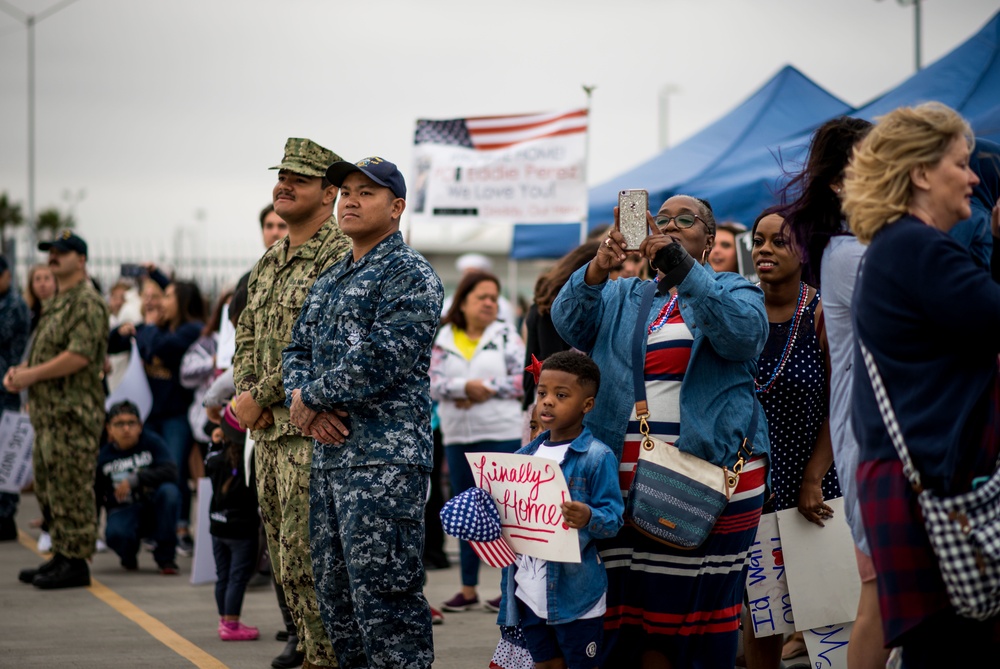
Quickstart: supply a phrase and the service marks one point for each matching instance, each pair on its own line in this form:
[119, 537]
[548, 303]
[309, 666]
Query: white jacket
[499, 362]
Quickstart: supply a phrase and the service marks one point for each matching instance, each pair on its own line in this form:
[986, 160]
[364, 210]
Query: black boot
[28, 575]
[290, 657]
[68, 573]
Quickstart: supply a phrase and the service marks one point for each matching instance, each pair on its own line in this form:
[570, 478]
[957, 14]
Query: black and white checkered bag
[964, 530]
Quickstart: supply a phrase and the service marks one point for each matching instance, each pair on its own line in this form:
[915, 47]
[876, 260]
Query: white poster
[203, 560]
[528, 492]
[134, 386]
[768, 604]
[16, 438]
[527, 168]
[821, 568]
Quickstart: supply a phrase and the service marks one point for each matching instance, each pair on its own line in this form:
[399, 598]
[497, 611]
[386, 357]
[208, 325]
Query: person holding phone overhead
[703, 335]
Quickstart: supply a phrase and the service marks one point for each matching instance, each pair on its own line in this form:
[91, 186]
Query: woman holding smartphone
[162, 341]
[668, 607]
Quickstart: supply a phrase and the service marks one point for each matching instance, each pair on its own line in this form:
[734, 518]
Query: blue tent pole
[584, 228]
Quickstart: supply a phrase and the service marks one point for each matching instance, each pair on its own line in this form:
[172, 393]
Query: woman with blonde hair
[930, 317]
[40, 286]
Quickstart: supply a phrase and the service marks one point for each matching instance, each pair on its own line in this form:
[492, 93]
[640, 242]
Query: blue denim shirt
[727, 319]
[591, 472]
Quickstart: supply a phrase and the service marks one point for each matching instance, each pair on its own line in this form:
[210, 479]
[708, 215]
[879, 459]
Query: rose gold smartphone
[632, 207]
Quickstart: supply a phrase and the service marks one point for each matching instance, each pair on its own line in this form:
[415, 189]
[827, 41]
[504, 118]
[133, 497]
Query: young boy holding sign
[560, 606]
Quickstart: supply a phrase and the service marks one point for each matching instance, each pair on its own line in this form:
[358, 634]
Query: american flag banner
[525, 168]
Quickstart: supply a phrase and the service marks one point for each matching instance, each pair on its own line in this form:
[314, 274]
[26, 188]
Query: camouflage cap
[304, 156]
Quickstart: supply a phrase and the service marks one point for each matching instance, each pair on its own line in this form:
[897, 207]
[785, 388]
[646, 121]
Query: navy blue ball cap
[379, 170]
[66, 241]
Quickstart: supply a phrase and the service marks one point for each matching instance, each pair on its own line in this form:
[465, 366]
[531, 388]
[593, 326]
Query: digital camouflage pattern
[304, 156]
[362, 344]
[15, 327]
[283, 494]
[67, 415]
[276, 291]
[367, 544]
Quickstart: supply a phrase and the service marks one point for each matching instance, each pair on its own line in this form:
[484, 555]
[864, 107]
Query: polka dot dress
[795, 406]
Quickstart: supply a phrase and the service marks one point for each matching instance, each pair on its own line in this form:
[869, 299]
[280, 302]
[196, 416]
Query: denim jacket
[591, 472]
[727, 319]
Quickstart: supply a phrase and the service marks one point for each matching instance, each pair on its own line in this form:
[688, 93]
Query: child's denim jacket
[591, 472]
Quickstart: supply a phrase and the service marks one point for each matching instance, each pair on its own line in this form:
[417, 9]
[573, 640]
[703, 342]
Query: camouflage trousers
[367, 529]
[282, 470]
[64, 457]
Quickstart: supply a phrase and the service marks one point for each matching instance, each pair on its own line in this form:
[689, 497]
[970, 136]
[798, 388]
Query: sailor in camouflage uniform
[66, 400]
[361, 349]
[15, 326]
[277, 288]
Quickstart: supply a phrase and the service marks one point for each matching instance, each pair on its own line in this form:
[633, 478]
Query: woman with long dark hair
[163, 339]
[830, 256]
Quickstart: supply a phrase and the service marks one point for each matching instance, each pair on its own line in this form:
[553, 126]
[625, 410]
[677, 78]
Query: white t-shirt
[531, 571]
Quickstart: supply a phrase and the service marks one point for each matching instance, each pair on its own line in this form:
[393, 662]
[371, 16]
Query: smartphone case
[632, 207]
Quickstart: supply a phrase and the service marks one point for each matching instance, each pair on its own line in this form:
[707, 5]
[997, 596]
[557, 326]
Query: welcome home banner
[527, 168]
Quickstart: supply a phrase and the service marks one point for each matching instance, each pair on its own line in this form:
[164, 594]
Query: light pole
[665, 92]
[916, 30]
[29, 21]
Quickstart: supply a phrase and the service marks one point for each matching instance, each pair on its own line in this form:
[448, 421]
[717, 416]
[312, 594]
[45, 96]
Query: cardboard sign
[827, 646]
[16, 438]
[203, 561]
[528, 492]
[769, 607]
[821, 568]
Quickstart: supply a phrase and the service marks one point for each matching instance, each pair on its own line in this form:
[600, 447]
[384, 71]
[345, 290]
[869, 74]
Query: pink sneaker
[237, 631]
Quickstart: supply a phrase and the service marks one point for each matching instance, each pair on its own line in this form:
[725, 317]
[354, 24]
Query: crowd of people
[361, 388]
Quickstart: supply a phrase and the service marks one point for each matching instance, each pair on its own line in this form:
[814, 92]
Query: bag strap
[639, 382]
[889, 418]
[638, 335]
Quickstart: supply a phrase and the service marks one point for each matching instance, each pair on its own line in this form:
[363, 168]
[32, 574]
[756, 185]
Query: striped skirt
[683, 604]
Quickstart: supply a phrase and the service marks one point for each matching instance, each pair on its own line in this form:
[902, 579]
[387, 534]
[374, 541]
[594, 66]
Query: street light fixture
[916, 30]
[665, 92]
[29, 21]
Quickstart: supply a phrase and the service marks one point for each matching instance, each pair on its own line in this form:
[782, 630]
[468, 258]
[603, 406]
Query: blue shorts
[578, 642]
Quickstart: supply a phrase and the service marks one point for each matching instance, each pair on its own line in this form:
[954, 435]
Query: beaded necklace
[789, 344]
[664, 314]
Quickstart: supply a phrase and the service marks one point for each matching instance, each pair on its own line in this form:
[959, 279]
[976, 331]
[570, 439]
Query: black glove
[675, 263]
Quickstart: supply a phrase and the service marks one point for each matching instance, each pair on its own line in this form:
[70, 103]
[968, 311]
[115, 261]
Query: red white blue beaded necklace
[664, 315]
[789, 344]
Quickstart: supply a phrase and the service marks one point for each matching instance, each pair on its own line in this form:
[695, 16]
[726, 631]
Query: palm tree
[10, 216]
[51, 221]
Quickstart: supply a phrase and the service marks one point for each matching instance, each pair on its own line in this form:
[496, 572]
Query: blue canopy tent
[987, 124]
[966, 79]
[787, 105]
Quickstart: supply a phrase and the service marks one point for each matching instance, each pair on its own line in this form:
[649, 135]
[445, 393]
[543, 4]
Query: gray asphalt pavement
[144, 619]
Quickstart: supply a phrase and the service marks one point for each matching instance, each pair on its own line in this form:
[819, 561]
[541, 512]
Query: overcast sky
[166, 115]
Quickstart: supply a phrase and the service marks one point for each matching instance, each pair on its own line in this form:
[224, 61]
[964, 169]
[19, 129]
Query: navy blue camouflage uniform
[362, 344]
[15, 326]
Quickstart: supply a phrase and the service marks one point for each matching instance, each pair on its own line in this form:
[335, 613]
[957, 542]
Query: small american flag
[498, 132]
[497, 554]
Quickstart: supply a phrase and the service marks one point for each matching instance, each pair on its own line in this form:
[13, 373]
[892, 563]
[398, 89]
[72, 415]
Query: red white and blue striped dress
[685, 604]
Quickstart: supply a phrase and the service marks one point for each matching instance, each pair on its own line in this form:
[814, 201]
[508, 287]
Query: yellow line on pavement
[157, 629]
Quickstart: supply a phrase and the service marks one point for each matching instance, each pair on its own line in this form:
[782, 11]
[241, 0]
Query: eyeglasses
[124, 423]
[682, 221]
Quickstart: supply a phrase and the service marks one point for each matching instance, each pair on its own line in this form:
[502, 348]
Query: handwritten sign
[16, 437]
[769, 607]
[528, 492]
[827, 646]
